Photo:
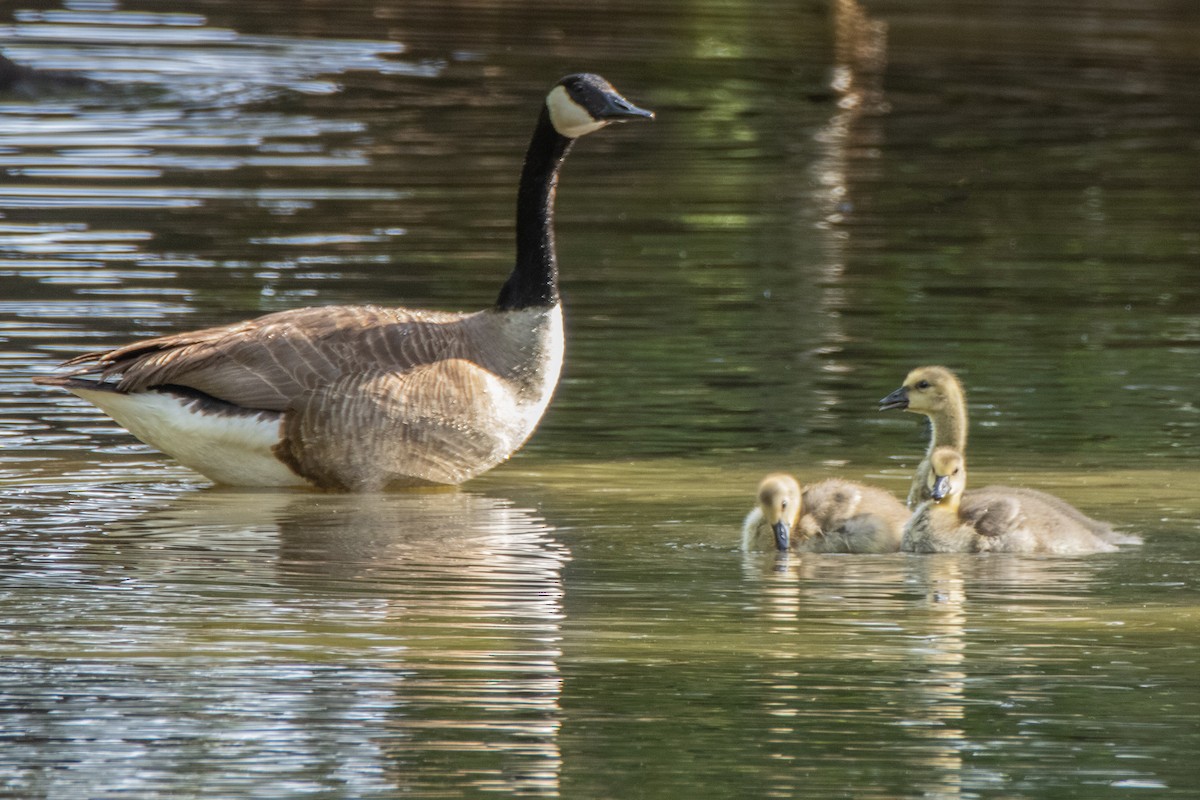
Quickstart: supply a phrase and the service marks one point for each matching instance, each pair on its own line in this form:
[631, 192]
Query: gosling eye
[783, 504]
[923, 384]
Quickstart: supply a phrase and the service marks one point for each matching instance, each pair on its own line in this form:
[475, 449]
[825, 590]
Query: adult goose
[829, 516]
[994, 519]
[359, 398]
[937, 393]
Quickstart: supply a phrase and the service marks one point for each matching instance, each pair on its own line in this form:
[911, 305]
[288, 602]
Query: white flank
[547, 326]
[568, 117]
[233, 449]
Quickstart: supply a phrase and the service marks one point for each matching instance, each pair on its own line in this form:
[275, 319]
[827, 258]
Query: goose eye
[783, 504]
[923, 385]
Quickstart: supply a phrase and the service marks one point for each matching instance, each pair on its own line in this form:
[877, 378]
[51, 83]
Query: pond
[830, 195]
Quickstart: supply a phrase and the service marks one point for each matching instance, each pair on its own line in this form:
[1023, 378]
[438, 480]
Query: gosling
[830, 516]
[992, 520]
[937, 393]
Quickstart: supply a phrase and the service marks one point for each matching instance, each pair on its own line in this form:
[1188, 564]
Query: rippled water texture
[831, 195]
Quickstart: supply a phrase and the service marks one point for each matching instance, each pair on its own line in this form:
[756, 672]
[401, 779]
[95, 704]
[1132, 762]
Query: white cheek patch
[568, 117]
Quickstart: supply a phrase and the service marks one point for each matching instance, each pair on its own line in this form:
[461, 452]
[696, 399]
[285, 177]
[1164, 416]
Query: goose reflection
[439, 614]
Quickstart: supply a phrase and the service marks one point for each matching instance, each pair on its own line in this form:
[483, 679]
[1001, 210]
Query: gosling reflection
[828, 680]
[444, 609]
[935, 706]
[781, 693]
[944, 628]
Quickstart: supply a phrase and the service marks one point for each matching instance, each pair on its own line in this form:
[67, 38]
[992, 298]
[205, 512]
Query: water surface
[830, 196]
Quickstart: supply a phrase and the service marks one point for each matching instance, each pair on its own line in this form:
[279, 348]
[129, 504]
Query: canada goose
[993, 519]
[359, 398]
[937, 393]
[830, 516]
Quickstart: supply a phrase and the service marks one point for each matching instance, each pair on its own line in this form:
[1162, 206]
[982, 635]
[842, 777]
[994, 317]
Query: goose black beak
[781, 536]
[896, 400]
[941, 488]
[618, 109]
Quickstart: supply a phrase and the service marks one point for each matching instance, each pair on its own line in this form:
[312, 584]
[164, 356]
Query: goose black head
[947, 474]
[583, 103]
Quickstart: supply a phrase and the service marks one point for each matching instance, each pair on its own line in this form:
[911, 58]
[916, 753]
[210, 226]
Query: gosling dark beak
[781, 536]
[618, 109]
[897, 399]
[941, 488]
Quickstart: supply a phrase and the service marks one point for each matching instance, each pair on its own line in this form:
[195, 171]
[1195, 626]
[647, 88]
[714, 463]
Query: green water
[1005, 188]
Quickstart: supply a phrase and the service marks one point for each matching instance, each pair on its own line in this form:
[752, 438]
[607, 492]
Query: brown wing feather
[267, 363]
[424, 427]
[990, 512]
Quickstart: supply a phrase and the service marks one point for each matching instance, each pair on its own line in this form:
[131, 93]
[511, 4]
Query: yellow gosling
[992, 520]
[937, 393]
[830, 516]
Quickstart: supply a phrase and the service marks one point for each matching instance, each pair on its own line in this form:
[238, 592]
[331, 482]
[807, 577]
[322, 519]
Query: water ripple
[383, 621]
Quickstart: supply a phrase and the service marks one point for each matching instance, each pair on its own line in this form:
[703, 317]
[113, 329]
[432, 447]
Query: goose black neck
[534, 280]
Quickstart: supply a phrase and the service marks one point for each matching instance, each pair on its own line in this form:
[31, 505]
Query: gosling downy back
[360, 398]
[841, 516]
